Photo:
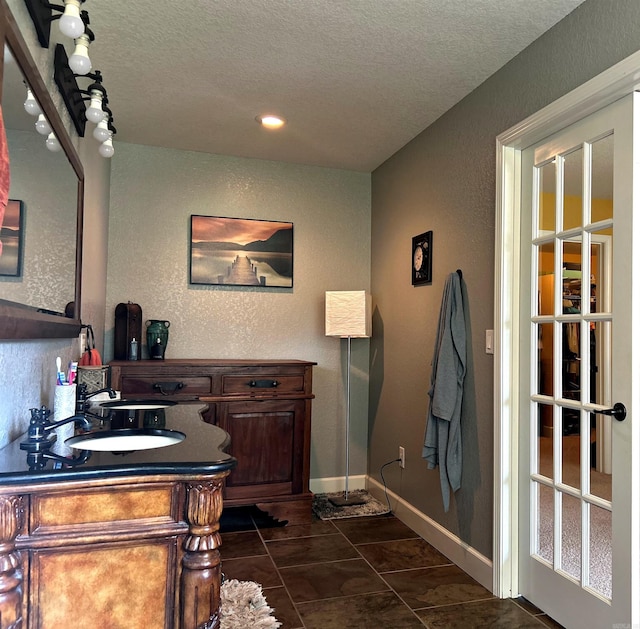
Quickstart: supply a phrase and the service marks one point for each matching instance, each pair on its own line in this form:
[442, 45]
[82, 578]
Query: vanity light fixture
[106, 148]
[42, 125]
[79, 61]
[101, 132]
[97, 94]
[72, 21]
[52, 143]
[74, 98]
[271, 121]
[104, 134]
[31, 105]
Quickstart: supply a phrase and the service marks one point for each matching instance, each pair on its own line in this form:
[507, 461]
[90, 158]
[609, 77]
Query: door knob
[619, 411]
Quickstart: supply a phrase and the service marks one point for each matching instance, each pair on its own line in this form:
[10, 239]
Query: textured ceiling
[355, 79]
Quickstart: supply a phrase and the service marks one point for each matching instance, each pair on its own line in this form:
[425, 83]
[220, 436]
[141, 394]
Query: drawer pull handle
[167, 388]
[264, 384]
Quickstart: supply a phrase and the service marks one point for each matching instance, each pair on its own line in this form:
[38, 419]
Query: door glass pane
[547, 197]
[602, 179]
[600, 550]
[545, 359]
[601, 260]
[545, 522]
[571, 553]
[600, 479]
[571, 360]
[571, 276]
[599, 348]
[546, 278]
[571, 458]
[545, 444]
[570, 422]
[600, 425]
[594, 272]
[572, 200]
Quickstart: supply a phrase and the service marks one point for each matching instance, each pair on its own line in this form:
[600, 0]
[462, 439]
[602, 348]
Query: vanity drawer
[180, 386]
[102, 509]
[261, 383]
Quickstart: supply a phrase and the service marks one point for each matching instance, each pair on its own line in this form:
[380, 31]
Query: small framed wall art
[421, 258]
[12, 239]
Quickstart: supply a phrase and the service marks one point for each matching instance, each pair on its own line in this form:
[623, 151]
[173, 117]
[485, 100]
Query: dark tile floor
[361, 573]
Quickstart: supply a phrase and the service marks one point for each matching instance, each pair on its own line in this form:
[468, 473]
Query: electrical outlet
[401, 456]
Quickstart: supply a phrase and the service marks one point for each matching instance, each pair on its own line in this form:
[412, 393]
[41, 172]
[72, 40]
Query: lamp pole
[346, 500]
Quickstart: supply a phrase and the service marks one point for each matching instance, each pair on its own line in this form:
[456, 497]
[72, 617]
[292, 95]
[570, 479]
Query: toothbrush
[59, 369]
[73, 372]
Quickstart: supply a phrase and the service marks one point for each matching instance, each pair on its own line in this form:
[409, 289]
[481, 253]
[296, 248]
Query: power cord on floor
[384, 482]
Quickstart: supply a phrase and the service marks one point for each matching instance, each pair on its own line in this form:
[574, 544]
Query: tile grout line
[277, 569]
[391, 589]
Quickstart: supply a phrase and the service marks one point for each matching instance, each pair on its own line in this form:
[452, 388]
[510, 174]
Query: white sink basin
[125, 440]
[137, 405]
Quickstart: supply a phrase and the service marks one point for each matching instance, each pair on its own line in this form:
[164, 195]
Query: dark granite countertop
[201, 451]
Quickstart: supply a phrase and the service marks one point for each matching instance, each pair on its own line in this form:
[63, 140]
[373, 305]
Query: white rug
[243, 606]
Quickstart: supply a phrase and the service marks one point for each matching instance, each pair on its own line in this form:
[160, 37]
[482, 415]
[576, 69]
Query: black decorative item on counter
[128, 327]
[157, 338]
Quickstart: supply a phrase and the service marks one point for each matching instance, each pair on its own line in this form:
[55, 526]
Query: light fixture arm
[109, 119]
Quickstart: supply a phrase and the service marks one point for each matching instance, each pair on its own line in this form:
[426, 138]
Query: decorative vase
[157, 338]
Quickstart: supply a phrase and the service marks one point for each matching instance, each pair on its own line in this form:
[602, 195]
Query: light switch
[488, 341]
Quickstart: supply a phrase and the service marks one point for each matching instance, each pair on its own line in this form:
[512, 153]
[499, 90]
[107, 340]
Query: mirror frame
[19, 321]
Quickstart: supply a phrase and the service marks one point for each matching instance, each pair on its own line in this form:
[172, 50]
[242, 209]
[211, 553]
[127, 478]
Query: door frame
[604, 89]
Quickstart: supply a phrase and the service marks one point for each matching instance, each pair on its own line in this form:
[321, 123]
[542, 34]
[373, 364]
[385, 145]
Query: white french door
[578, 532]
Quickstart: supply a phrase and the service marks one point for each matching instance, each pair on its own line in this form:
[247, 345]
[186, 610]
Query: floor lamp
[347, 315]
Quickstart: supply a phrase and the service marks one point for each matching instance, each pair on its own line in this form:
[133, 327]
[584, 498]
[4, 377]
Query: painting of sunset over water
[241, 252]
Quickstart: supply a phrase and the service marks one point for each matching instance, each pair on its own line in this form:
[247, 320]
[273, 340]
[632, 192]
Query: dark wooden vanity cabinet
[265, 407]
[123, 539]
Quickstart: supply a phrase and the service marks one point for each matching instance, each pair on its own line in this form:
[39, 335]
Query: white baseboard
[464, 556]
[330, 485]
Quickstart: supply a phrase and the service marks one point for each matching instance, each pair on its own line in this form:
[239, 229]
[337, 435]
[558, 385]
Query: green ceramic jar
[157, 338]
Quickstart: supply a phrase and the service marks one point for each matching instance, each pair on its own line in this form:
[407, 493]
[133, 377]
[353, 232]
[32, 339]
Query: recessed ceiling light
[270, 121]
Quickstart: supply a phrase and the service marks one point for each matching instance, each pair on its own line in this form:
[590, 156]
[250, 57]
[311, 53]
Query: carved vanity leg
[200, 582]
[11, 513]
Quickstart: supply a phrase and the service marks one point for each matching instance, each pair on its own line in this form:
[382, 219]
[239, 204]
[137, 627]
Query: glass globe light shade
[42, 125]
[106, 148]
[95, 112]
[31, 105]
[52, 143]
[102, 132]
[71, 23]
[79, 61]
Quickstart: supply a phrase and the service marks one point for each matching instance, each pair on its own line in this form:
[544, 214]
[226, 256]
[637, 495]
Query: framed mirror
[42, 230]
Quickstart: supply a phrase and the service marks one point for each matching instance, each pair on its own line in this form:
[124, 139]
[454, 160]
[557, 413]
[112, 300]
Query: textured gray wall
[154, 192]
[444, 180]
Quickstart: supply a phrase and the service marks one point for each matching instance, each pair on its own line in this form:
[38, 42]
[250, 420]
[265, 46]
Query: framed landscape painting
[11, 239]
[241, 252]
